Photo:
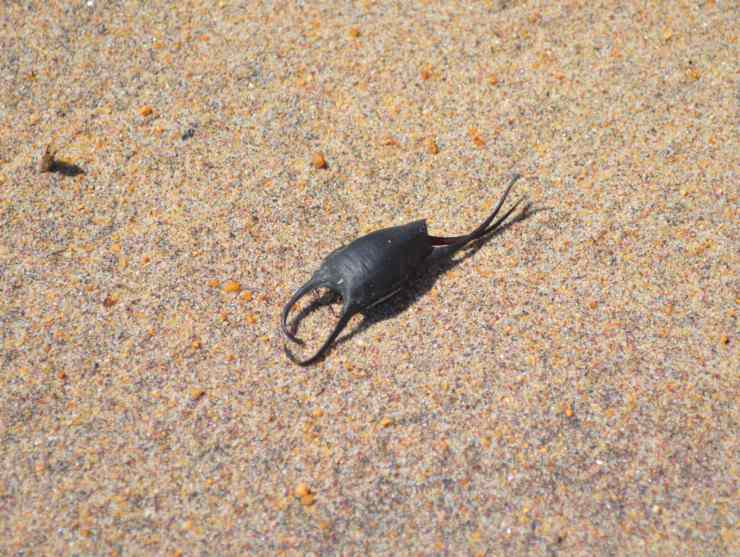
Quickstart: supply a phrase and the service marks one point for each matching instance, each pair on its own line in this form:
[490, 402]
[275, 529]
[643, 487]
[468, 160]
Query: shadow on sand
[65, 168]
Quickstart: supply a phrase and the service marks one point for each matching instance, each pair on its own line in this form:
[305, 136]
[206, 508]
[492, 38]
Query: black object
[374, 267]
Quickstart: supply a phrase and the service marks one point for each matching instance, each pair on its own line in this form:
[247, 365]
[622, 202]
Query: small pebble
[232, 287]
[301, 490]
[476, 137]
[318, 161]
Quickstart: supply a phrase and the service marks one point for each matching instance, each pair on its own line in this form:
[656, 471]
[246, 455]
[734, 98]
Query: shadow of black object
[440, 262]
[66, 168]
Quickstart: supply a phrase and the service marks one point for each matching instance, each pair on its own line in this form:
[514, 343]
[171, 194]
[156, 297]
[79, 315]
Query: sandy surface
[570, 388]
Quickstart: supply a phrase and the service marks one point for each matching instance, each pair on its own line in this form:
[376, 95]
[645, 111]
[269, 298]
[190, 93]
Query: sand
[569, 387]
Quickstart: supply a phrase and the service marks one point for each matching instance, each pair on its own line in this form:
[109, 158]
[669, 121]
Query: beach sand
[566, 388]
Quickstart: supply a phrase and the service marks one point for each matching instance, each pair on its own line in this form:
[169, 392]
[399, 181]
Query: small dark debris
[47, 160]
[48, 163]
[188, 134]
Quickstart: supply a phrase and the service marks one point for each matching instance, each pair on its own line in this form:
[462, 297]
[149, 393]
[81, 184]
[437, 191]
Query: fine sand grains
[568, 386]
